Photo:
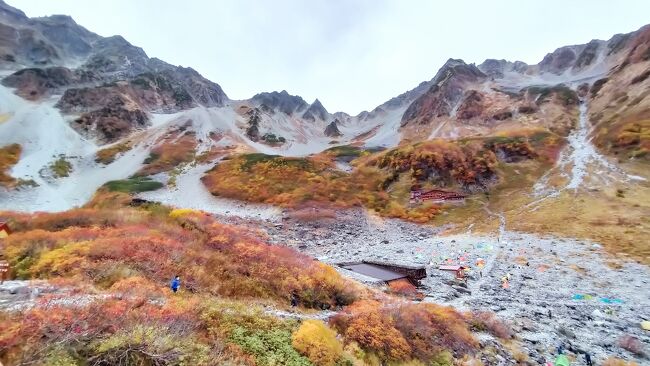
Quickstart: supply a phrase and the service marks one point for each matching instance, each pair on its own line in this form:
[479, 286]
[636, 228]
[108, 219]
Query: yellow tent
[645, 325]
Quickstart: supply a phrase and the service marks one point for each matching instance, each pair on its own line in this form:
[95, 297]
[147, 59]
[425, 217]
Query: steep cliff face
[620, 103]
[108, 85]
[48, 41]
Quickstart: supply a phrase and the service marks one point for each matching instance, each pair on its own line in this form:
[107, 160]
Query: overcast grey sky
[351, 54]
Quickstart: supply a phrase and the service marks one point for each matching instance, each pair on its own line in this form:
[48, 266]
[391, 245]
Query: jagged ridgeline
[303, 236]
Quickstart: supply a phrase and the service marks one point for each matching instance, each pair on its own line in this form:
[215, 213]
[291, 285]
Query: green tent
[562, 360]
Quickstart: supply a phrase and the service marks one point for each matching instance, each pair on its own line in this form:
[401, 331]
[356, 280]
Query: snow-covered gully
[579, 162]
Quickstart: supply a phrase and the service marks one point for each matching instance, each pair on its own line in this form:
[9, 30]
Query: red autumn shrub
[488, 321]
[432, 328]
[88, 329]
[366, 323]
[402, 287]
[209, 256]
[405, 330]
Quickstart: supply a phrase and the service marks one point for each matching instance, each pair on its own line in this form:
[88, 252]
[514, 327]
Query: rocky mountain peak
[453, 62]
[316, 110]
[280, 101]
[458, 68]
[7, 11]
[497, 68]
[341, 116]
[58, 19]
[558, 61]
[446, 90]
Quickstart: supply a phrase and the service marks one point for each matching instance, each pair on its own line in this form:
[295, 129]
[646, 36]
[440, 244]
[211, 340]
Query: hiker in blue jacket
[176, 284]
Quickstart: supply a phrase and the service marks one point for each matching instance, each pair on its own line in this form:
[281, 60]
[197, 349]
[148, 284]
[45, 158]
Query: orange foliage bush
[137, 287]
[106, 247]
[169, 154]
[447, 162]
[9, 156]
[108, 155]
[300, 182]
[83, 217]
[404, 331]
[366, 323]
[282, 181]
[402, 287]
[30, 336]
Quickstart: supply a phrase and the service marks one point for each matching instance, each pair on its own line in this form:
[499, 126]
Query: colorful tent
[562, 360]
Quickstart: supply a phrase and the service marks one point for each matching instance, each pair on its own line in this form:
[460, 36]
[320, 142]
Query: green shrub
[61, 168]
[58, 357]
[443, 358]
[255, 158]
[269, 347]
[266, 338]
[133, 185]
[344, 151]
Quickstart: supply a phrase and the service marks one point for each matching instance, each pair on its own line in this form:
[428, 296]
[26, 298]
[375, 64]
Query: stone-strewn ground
[593, 299]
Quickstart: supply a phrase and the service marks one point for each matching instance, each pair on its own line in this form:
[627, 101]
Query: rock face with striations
[332, 130]
[280, 101]
[447, 90]
[47, 41]
[35, 83]
[116, 84]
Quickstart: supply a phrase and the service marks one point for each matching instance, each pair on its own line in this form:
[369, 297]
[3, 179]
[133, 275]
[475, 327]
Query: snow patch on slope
[191, 193]
[45, 136]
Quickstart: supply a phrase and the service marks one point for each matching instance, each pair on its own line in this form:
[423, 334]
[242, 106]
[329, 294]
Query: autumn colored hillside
[8, 157]
[380, 181]
[619, 104]
[112, 266]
